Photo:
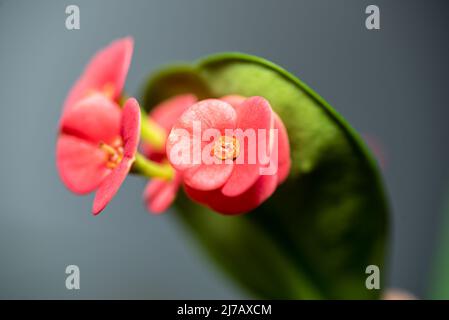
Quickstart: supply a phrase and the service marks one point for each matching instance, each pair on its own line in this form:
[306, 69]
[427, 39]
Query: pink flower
[160, 194]
[97, 146]
[105, 73]
[229, 175]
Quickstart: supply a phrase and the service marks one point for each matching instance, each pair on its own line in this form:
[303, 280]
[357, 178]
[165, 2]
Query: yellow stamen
[226, 148]
[114, 153]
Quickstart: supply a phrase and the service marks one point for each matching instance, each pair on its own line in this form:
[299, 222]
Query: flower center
[226, 148]
[114, 152]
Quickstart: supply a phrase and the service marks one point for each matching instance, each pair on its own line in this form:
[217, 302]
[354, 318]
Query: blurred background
[390, 84]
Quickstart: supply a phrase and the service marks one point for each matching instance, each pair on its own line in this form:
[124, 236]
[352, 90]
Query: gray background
[390, 84]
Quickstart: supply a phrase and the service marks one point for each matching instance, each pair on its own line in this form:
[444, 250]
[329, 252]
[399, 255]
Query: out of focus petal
[110, 185]
[81, 165]
[167, 112]
[95, 119]
[130, 127]
[245, 202]
[233, 99]
[106, 71]
[160, 194]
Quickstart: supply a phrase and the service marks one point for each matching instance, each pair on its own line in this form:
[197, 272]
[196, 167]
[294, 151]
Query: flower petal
[209, 113]
[107, 70]
[110, 185]
[260, 191]
[130, 127]
[208, 177]
[233, 99]
[160, 194]
[254, 112]
[95, 119]
[167, 112]
[81, 165]
[253, 115]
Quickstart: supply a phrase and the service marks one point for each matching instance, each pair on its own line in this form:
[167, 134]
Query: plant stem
[151, 169]
[152, 133]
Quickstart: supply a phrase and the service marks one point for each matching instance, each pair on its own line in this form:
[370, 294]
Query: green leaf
[317, 234]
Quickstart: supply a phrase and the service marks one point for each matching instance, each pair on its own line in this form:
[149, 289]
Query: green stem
[151, 169]
[152, 133]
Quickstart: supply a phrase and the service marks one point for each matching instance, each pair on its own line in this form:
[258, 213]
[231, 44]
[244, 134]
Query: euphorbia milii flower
[160, 194]
[97, 146]
[235, 183]
[105, 73]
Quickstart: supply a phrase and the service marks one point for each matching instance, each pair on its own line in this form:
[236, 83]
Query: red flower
[105, 73]
[224, 169]
[160, 194]
[97, 146]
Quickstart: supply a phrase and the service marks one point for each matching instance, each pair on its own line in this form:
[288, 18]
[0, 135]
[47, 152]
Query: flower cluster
[229, 154]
